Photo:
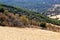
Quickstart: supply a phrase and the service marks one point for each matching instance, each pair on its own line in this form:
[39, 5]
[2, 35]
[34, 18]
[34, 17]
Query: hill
[14, 16]
[27, 34]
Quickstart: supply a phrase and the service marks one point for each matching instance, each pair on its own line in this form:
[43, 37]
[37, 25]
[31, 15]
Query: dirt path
[7, 33]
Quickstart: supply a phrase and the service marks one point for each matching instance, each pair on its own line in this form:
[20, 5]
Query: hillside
[14, 16]
[8, 33]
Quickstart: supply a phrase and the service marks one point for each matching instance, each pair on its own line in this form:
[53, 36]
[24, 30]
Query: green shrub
[1, 10]
[43, 24]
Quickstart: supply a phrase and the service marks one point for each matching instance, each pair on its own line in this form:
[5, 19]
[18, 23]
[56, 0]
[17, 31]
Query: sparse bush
[34, 22]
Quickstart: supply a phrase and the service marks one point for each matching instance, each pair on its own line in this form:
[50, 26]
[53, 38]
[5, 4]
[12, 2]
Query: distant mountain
[35, 5]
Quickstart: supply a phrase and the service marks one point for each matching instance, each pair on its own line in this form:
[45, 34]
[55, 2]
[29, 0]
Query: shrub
[43, 24]
[1, 10]
[24, 20]
[34, 22]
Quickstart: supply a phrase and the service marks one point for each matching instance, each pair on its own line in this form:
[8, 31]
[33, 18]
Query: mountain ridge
[35, 5]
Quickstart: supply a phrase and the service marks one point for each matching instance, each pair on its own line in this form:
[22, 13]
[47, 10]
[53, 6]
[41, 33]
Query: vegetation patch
[13, 16]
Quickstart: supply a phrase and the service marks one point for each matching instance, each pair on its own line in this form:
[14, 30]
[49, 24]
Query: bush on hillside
[43, 24]
[24, 20]
[34, 22]
[1, 10]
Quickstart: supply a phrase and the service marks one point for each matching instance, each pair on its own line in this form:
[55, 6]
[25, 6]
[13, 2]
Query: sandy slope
[54, 17]
[7, 33]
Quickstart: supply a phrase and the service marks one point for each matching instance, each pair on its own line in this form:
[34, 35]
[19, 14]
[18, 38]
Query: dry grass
[8, 33]
[54, 17]
[53, 27]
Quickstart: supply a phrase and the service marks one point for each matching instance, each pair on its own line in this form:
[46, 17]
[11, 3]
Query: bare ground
[11, 33]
